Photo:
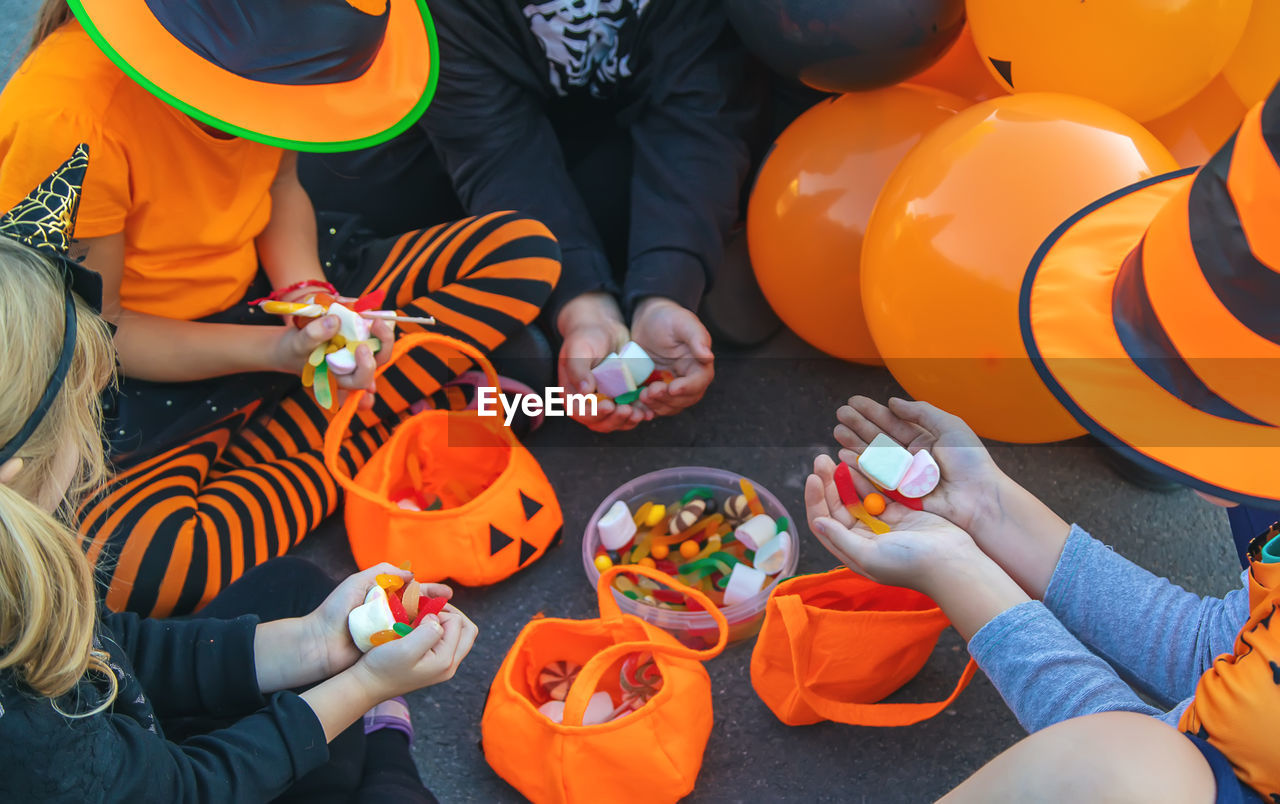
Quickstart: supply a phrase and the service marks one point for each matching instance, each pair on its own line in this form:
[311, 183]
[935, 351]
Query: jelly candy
[689, 549]
[603, 562]
[389, 582]
[397, 610]
[874, 504]
[849, 496]
[660, 551]
[753, 501]
[409, 596]
[655, 515]
[402, 629]
[382, 637]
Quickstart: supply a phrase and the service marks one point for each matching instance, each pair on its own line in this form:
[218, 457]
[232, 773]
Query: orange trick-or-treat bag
[452, 491]
[834, 644]
[650, 751]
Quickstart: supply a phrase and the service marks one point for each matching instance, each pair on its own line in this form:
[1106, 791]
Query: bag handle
[796, 623]
[584, 686]
[337, 429]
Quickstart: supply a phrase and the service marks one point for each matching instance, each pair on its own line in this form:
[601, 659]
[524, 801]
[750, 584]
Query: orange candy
[874, 503]
[660, 551]
[689, 548]
[389, 582]
[382, 637]
[647, 562]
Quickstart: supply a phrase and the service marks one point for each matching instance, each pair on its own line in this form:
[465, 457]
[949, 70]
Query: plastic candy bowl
[693, 628]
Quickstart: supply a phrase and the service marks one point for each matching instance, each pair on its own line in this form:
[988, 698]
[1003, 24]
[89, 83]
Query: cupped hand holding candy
[915, 553]
[328, 623]
[1009, 523]
[295, 346]
[677, 342]
[592, 327]
[427, 655]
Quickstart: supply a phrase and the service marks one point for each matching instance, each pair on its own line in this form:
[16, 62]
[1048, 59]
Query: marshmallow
[351, 326]
[922, 476]
[745, 582]
[884, 461]
[639, 364]
[612, 377]
[599, 710]
[756, 531]
[773, 554]
[616, 527]
[341, 362]
[370, 617]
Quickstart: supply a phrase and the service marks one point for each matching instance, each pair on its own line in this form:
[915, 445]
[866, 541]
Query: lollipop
[640, 679]
[556, 678]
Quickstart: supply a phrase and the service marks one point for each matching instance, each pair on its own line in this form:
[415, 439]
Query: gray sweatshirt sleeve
[1046, 676]
[1154, 632]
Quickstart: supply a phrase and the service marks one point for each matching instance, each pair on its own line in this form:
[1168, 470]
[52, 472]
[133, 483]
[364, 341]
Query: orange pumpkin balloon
[811, 201]
[962, 71]
[1196, 130]
[951, 237]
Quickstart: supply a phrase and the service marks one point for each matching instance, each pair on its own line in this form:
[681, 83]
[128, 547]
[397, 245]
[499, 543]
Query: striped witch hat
[1154, 316]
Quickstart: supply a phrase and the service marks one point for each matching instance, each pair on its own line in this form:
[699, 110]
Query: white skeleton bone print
[581, 41]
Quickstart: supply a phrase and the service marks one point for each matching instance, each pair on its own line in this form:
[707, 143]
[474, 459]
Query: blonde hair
[48, 613]
[50, 17]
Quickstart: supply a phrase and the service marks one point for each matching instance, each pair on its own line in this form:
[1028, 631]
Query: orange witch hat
[307, 75]
[1154, 316]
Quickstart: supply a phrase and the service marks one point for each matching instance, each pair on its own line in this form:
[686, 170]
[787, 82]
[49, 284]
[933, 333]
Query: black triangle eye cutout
[1005, 69]
[497, 540]
[526, 552]
[531, 506]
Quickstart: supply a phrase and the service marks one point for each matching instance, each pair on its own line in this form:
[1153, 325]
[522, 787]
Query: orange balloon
[811, 201]
[1254, 66]
[962, 71]
[951, 237]
[1196, 130]
[1143, 57]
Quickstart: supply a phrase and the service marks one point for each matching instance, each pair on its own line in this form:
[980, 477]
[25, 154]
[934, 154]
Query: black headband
[55, 382]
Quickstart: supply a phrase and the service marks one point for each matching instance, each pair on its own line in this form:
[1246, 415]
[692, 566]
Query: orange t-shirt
[189, 204]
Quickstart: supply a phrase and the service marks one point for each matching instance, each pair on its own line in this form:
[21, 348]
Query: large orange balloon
[951, 237]
[1143, 57]
[810, 205]
[1254, 66]
[1197, 129]
[962, 71]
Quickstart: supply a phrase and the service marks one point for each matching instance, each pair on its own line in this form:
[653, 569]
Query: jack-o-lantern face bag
[834, 644]
[484, 507]
[651, 753]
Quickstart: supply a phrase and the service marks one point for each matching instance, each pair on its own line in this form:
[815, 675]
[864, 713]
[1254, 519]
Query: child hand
[327, 625]
[430, 654]
[295, 345]
[592, 327]
[969, 489]
[678, 342]
[914, 554]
